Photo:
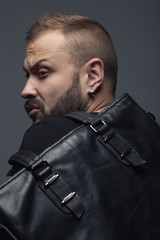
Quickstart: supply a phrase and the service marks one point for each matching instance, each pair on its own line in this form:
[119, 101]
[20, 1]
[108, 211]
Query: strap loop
[116, 144]
[54, 184]
[125, 153]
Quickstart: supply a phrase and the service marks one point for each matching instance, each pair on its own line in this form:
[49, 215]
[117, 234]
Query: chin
[37, 120]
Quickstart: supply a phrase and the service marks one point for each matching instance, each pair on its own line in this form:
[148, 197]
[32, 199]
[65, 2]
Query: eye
[26, 75]
[43, 73]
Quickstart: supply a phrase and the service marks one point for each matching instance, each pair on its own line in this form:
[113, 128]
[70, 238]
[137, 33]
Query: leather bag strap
[109, 138]
[50, 182]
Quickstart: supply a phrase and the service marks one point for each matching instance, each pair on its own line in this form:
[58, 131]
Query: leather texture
[100, 182]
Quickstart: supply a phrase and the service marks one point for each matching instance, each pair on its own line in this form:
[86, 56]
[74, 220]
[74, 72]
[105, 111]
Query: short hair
[86, 39]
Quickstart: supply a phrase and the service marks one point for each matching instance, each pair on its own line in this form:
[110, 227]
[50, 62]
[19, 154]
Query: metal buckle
[41, 169]
[98, 123]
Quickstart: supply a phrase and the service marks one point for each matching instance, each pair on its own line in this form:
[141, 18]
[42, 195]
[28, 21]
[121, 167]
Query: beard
[70, 101]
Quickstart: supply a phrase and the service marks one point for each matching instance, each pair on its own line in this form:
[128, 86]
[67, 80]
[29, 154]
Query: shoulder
[45, 133]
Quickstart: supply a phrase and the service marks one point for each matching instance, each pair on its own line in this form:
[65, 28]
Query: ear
[95, 69]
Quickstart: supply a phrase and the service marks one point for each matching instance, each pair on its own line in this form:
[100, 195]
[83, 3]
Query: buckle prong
[51, 179]
[68, 197]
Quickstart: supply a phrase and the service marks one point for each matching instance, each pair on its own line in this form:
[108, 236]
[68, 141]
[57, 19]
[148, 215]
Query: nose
[29, 91]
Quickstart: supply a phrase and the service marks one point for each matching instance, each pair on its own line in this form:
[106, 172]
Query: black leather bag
[100, 182]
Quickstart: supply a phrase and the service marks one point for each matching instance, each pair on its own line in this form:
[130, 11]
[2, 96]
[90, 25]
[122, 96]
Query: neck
[98, 105]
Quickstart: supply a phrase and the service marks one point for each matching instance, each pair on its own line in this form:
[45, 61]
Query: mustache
[33, 103]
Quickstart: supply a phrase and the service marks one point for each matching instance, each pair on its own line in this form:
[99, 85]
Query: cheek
[50, 96]
[50, 89]
[57, 83]
[55, 86]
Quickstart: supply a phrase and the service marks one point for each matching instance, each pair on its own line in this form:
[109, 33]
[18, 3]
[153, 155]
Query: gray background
[134, 28]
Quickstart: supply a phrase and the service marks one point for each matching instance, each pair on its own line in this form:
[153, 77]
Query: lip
[32, 109]
[33, 112]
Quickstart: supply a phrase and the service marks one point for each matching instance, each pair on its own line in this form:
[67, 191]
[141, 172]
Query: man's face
[53, 86]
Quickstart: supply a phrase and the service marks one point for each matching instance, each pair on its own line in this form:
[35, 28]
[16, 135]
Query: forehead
[47, 45]
[50, 40]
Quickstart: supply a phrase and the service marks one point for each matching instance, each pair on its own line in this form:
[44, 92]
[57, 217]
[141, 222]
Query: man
[70, 65]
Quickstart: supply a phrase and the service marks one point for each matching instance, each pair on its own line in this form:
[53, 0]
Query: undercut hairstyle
[86, 39]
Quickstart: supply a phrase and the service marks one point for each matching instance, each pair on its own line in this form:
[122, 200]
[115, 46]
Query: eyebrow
[35, 66]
